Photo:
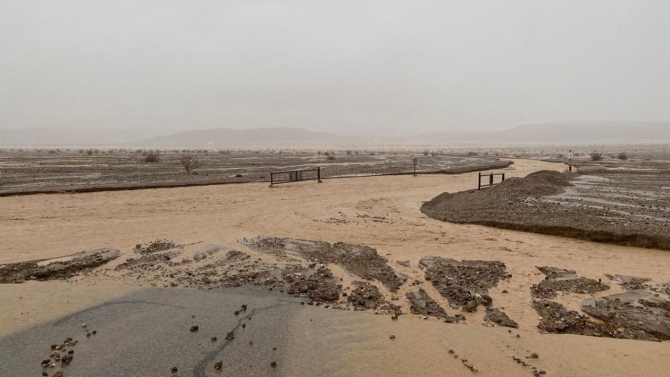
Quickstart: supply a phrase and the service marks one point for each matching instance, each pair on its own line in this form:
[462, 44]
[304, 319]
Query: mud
[63, 268]
[361, 261]
[421, 303]
[465, 284]
[565, 281]
[629, 207]
[499, 317]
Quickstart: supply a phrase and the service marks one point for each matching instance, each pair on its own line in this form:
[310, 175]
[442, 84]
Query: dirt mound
[362, 261]
[625, 209]
[71, 266]
[465, 284]
[560, 280]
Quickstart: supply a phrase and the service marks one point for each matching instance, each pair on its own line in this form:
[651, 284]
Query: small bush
[425, 153]
[189, 162]
[596, 156]
[330, 157]
[349, 152]
[472, 153]
[151, 156]
[622, 156]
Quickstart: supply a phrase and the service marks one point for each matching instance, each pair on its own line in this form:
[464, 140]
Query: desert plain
[346, 278]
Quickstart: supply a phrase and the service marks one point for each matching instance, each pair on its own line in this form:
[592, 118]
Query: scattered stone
[194, 328]
[218, 365]
[465, 284]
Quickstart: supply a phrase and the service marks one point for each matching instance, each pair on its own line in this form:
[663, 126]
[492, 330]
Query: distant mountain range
[546, 133]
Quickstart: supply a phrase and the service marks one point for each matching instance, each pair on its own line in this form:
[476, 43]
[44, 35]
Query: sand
[47, 226]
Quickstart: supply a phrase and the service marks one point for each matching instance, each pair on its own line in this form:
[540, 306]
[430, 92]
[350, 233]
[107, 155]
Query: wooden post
[503, 177]
[479, 182]
[318, 173]
[491, 180]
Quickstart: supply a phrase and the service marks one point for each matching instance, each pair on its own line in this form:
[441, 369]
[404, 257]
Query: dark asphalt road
[147, 333]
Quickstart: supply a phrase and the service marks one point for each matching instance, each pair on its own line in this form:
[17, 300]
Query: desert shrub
[472, 153]
[89, 152]
[349, 152]
[330, 157]
[189, 162]
[151, 156]
[596, 156]
[425, 153]
[432, 154]
[622, 156]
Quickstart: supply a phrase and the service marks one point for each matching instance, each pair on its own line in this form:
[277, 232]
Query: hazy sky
[340, 66]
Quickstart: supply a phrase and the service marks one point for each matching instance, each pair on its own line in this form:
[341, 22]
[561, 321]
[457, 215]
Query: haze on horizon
[344, 67]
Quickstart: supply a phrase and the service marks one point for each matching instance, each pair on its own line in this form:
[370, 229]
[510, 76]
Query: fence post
[318, 173]
[479, 181]
[491, 180]
[503, 177]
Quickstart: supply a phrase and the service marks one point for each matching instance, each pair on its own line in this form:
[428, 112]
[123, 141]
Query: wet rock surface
[499, 317]
[630, 283]
[421, 303]
[62, 268]
[635, 314]
[466, 283]
[361, 261]
[567, 281]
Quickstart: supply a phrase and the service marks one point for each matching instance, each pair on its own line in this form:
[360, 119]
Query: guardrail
[490, 180]
[289, 176]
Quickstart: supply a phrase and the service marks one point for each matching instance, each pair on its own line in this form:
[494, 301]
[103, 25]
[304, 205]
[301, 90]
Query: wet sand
[48, 226]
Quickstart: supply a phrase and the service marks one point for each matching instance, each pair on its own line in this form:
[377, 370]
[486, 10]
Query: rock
[230, 336]
[534, 355]
[174, 370]
[392, 336]
[470, 306]
[194, 328]
[58, 374]
[273, 364]
[214, 339]
[218, 365]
